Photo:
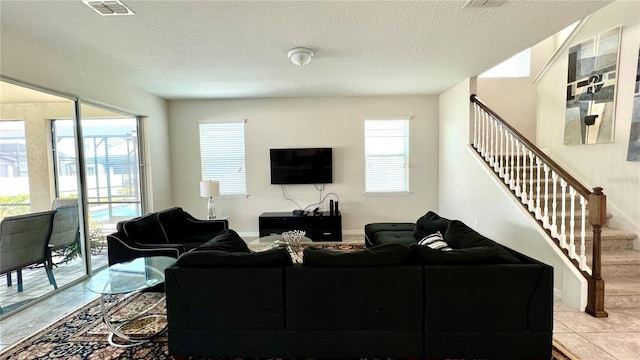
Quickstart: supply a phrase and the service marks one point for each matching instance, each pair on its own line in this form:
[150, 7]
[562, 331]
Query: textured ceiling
[237, 49]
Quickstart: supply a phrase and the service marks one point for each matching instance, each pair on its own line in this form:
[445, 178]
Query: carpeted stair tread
[620, 264]
[622, 293]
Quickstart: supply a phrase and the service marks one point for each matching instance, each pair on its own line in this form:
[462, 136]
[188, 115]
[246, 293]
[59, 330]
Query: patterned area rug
[83, 335]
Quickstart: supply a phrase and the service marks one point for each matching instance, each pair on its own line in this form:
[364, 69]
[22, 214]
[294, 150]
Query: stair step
[620, 264]
[622, 293]
[612, 239]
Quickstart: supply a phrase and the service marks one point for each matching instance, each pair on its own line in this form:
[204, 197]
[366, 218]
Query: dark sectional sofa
[169, 232]
[390, 300]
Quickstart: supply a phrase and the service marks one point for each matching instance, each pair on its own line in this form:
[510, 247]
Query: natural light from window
[518, 65]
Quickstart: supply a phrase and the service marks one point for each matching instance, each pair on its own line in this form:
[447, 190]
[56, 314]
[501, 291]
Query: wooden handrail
[552, 164]
[596, 201]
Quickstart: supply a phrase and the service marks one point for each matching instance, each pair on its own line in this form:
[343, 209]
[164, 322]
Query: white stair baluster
[492, 124]
[538, 209]
[517, 181]
[545, 216]
[512, 159]
[502, 161]
[523, 194]
[563, 215]
[583, 259]
[531, 180]
[475, 125]
[572, 224]
[554, 206]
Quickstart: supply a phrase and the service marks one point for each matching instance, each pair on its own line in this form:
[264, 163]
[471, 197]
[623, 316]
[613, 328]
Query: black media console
[321, 227]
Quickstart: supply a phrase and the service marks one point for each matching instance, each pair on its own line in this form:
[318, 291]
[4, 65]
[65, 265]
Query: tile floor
[587, 338]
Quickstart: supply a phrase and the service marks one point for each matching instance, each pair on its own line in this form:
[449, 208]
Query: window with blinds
[222, 156]
[386, 149]
[518, 65]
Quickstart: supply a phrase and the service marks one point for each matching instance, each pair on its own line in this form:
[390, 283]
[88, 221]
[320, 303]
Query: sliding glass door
[26, 187]
[51, 162]
[111, 165]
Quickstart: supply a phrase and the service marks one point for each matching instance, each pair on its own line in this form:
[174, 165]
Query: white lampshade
[209, 188]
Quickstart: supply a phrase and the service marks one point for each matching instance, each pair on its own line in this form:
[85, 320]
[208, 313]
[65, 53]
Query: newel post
[597, 218]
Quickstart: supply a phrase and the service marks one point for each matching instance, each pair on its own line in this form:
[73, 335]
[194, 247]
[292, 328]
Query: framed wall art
[591, 90]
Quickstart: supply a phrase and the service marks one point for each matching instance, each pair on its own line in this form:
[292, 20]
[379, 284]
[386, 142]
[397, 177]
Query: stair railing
[552, 196]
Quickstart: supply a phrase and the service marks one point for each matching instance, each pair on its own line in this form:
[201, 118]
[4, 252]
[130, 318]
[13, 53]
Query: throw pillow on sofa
[275, 257]
[429, 223]
[227, 240]
[461, 236]
[387, 254]
[435, 242]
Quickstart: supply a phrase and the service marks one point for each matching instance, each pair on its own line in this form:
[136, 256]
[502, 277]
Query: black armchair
[169, 232]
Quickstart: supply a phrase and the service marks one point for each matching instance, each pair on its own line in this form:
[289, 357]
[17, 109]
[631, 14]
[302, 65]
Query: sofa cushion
[370, 229]
[435, 241]
[145, 229]
[393, 237]
[387, 254]
[474, 255]
[275, 257]
[461, 236]
[429, 223]
[227, 240]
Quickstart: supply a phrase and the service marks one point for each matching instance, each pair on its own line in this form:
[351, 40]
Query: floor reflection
[36, 283]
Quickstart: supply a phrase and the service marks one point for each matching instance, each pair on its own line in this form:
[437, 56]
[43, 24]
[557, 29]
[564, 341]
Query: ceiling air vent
[481, 3]
[109, 8]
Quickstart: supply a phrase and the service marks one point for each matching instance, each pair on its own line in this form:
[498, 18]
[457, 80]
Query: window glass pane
[222, 156]
[386, 155]
[14, 172]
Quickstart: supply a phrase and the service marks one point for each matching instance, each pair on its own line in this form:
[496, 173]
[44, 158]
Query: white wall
[485, 205]
[308, 122]
[49, 69]
[514, 99]
[602, 165]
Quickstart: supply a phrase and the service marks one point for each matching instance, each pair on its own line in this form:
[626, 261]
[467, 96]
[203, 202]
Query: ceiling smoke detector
[109, 8]
[300, 56]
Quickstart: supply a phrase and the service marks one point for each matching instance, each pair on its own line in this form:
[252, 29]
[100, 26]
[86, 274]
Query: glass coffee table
[130, 278]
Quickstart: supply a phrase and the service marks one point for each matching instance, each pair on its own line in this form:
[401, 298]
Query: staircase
[573, 216]
[620, 263]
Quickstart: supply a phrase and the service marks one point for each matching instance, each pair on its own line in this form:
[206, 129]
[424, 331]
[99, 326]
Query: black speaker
[336, 210]
[331, 207]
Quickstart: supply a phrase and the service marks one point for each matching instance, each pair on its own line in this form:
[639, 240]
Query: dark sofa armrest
[504, 296]
[120, 250]
[179, 247]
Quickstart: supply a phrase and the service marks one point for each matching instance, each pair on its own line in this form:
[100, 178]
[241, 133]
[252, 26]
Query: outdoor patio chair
[65, 231]
[24, 241]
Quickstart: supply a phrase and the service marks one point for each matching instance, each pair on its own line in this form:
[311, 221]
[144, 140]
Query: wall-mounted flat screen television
[301, 166]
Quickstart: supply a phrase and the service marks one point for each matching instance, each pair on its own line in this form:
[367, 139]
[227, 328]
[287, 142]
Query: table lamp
[210, 189]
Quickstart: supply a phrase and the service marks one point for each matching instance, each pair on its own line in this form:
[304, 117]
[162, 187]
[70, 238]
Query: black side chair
[24, 241]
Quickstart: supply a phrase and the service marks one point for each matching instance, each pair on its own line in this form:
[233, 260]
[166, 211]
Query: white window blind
[386, 148]
[222, 156]
[518, 65]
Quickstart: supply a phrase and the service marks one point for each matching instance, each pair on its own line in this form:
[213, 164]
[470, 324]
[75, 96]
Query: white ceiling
[236, 49]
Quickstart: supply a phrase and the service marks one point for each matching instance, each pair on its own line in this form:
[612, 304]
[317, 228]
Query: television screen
[301, 166]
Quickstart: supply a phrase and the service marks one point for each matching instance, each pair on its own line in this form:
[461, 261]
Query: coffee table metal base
[115, 327]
